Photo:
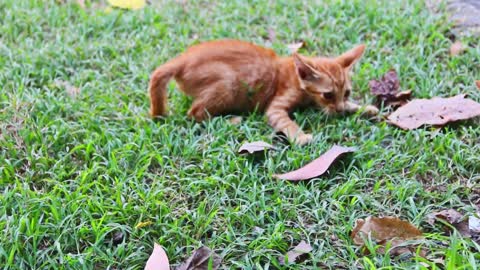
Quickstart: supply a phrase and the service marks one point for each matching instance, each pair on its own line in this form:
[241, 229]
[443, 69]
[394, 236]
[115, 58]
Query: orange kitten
[234, 76]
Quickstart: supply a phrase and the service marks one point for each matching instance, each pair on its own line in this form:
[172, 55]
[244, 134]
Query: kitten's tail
[158, 86]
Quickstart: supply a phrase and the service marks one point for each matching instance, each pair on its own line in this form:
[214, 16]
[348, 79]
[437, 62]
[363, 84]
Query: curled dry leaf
[386, 230]
[254, 147]
[158, 260]
[457, 48]
[387, 90]
[317, 167]
[294, 254]
[449, 215]
[294, 47]
[436, 111]
[388, 85]
[399, 99]
[200, 260]
[127, 4]
[478, 84]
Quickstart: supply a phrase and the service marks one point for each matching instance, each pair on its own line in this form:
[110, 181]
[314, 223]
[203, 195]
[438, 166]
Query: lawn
[89, 181]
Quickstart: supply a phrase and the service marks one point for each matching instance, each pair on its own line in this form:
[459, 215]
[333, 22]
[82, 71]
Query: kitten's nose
[340, 107]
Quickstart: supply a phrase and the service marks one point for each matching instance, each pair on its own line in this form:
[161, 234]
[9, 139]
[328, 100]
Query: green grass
[78, 174]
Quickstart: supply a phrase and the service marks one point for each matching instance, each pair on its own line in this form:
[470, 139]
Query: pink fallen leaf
[301, 249]
[253, 147]
[317, 167]
[294, 47]
[457, 48]
[436, 111]
[158, 260]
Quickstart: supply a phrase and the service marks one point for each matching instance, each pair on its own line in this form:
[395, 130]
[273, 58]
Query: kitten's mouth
[329, 110]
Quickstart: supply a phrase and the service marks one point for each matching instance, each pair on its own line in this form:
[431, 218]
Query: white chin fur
[329, 111]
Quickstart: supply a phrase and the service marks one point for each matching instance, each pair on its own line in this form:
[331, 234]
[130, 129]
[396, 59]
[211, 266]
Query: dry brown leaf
[200, 260]
[317, 167]
[452, 217]
[294, 47]
[436, 111]
[158, 260]
[400, 99]
[449, 215]
[294, 254]
[457, 48]
[386, 230]
[387, 86]
[254, 147]
[387, 90]
[478, 84]
[462, 228]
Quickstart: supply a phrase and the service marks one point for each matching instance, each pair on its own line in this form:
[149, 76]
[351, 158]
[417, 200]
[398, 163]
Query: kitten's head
[327, 80]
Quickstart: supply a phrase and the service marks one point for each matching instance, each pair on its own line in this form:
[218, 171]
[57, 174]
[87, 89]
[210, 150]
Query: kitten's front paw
[371, 110]
[303, 139]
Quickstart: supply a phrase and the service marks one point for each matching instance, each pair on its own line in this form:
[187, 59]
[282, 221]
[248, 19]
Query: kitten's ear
[304, 67]
[349, 58]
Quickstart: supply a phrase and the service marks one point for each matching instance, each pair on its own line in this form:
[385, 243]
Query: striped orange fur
[228, 76]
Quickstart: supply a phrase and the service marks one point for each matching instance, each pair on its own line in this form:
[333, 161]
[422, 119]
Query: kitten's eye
[328, 96]
[347, 93]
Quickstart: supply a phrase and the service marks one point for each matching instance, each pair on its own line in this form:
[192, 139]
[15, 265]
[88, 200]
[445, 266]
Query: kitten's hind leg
[212, 102]
[198, 110]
